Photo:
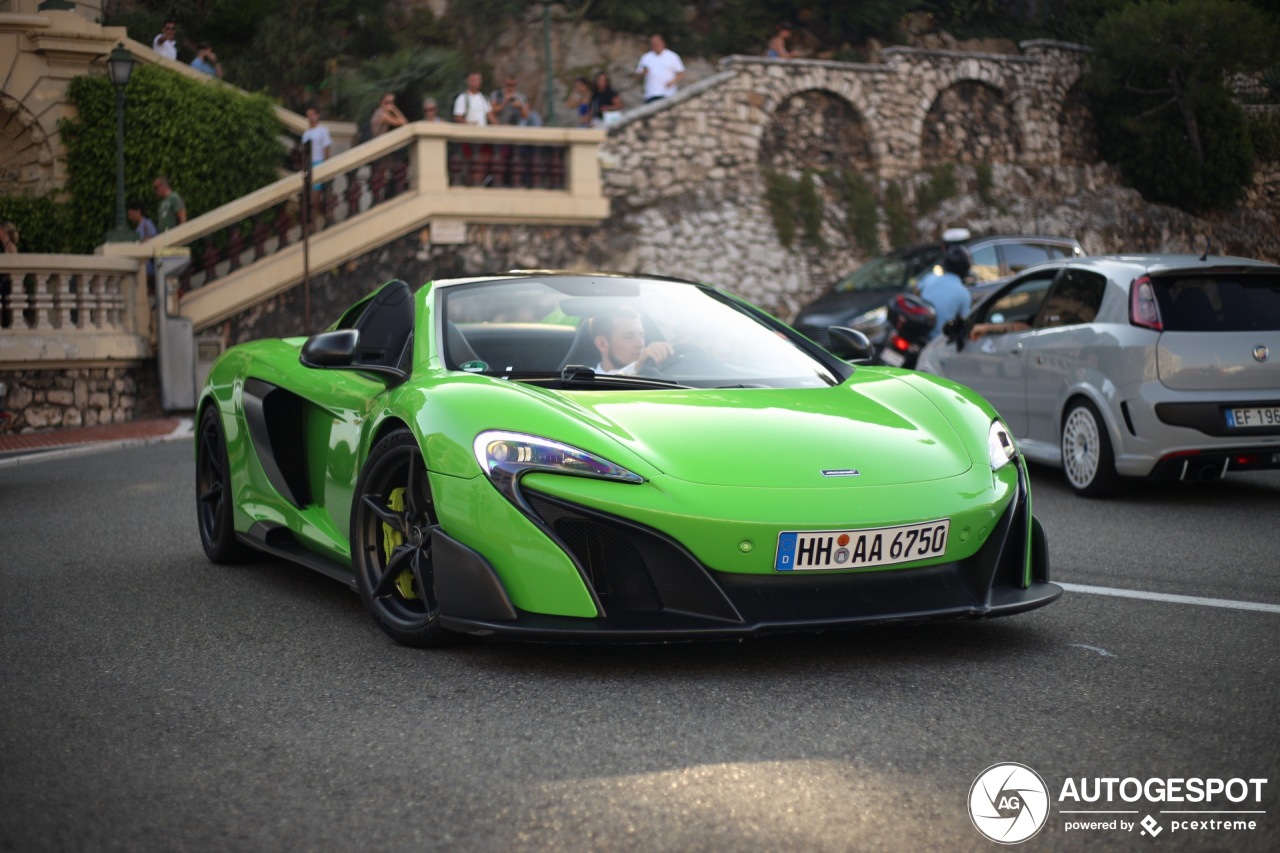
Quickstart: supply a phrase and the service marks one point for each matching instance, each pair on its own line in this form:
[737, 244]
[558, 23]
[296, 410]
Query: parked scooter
[911, 321]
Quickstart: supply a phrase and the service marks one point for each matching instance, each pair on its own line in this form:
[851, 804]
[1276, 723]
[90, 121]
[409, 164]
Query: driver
[619, 336]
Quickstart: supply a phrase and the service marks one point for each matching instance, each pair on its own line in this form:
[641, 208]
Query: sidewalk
[20, 447]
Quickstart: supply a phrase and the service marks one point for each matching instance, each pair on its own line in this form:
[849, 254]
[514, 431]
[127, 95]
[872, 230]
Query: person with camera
[207, 61]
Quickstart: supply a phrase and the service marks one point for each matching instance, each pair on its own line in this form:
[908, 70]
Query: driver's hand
[656, 352]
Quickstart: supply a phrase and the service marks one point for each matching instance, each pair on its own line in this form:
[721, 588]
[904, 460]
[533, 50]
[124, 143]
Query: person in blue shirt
[945, 291]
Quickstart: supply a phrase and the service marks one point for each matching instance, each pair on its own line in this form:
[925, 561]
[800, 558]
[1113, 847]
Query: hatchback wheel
[1087, 458]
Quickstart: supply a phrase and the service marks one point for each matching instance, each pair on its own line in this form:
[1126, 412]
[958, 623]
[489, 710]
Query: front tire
[1087, 457]
[214, 511]
[393, 522]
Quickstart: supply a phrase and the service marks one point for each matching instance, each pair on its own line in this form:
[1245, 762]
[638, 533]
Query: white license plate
[1253, 417]
[893, 358]
[811, 550]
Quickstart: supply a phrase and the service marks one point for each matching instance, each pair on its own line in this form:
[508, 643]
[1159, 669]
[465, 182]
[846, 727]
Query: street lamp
[119, 67]
[546, 55]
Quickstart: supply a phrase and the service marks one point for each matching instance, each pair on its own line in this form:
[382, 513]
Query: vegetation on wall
[42, 223]
[1163, 112]
[214, 144]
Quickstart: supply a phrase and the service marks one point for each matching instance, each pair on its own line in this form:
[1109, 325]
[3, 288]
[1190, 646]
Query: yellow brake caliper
[392, 539]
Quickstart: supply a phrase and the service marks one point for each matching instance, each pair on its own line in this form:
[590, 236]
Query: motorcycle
[910, 321]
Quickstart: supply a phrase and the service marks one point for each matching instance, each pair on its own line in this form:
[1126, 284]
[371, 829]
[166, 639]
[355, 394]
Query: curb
[184, 429]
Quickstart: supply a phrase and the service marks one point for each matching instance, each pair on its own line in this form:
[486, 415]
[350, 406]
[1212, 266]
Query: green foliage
[1163, 113]
[214, 144]
[41, 222]
[780, 197]
[986, 184]
[858, 198]
[1264, 134]
[896, 215]
[412, 75]
[940, 186]
[809, 206]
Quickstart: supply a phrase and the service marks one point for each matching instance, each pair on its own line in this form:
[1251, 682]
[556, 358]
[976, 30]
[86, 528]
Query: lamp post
[119, 67]
[546, 55]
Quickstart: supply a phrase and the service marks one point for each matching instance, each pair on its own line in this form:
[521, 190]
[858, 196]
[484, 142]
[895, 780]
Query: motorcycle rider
[945, 290]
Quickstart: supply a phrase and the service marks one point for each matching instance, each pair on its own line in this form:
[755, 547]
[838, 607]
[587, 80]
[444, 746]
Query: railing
[58, 310]
[414, 176]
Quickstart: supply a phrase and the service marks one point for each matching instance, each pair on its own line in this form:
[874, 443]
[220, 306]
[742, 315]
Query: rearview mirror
[850, 345]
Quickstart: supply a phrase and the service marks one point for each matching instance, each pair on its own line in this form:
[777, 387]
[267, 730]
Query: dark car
[860, 299]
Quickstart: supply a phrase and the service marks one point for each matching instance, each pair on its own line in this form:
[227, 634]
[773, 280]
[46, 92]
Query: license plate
[813, 550]
[893, 358]
[1251, 417]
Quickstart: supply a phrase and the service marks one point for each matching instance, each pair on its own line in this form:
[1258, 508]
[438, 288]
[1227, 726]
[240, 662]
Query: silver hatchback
[1129, 365]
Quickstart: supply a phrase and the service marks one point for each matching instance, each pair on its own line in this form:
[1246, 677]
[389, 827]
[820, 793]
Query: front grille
[614, 567]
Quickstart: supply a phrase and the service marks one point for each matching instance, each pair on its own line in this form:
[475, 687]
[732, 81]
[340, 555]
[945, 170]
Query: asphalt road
[152, 701]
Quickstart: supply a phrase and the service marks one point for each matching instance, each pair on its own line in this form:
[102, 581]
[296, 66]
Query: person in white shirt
[472, 107]
[321, 143]
[661, 69]
[166, 44]
[619, 337]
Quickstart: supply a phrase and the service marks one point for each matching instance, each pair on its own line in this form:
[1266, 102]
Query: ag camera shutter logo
[1008, 803]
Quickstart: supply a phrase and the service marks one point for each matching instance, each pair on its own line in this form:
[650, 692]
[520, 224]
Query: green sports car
[549, 455]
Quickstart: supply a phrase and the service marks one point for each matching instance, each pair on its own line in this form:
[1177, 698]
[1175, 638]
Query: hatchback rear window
[1212, 303]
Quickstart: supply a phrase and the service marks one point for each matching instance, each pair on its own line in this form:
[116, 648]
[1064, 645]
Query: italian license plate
[1247, 417]
[812, 550]
[893, 358]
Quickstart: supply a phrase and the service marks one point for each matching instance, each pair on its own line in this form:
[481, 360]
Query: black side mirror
[850, 345]
[337, 350]
[330, 349]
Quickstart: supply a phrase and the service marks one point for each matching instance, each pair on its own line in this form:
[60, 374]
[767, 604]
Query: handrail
[249, 249]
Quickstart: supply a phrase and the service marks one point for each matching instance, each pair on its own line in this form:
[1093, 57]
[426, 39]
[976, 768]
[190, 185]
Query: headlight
[1000, 446]
[505, 456]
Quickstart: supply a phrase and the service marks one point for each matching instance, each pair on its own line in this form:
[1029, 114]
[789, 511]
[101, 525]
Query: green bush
[1264, 134]
[986, 184]
[213, 143]
[809, 204]
[41, 223]
[896, 215]
[859, 200]
[940, 186]
[1156, 88]
[780, 197]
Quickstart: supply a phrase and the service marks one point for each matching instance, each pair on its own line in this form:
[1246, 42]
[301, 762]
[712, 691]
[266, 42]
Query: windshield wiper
[577, 374]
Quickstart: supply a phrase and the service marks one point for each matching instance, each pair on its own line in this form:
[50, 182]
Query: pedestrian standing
[173, 210]
[166, 43]
[661, 70]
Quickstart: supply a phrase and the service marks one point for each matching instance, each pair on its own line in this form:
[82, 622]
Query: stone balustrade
[72, 309]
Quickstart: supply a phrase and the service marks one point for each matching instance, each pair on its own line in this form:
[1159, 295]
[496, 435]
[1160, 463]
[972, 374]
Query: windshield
[619, 328]
[895, 271]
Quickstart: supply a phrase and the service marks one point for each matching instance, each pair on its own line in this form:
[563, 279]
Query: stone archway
[818, 130]
[27, 158]
[969, 122]
[1077, 136]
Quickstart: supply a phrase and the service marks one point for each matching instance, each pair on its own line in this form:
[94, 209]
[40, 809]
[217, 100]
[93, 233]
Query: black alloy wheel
[393, 522]
[213, 493]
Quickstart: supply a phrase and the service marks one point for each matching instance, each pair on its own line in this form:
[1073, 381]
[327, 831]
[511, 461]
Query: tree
[1158, 89]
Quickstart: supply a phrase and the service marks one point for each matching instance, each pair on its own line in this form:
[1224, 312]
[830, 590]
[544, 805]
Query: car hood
[842, 306]
[877, 426]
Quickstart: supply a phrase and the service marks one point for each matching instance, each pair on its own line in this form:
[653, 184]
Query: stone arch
[1077, 136]
[970, 122]
[816, 129]
[25, 152]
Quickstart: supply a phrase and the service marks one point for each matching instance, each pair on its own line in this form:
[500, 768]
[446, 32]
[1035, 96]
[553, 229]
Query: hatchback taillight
[1143, 310]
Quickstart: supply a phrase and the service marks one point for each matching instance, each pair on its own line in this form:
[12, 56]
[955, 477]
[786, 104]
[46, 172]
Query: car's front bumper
[651, 589]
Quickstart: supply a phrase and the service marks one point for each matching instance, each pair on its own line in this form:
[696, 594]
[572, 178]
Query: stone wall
[40, 399]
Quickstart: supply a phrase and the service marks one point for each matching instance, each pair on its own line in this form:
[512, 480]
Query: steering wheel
[679, 353]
